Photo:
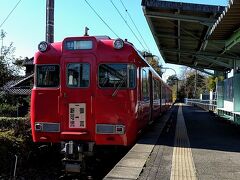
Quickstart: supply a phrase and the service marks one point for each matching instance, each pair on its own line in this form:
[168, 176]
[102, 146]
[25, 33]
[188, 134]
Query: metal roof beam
[171, 36]
[191, 35]
[167, 35]
[205, 39]
[217, 42]
[194, 53]
[199, 66]
[204, 71]
[204, 21]
[210, 65]
[220, 63]
[233, 40]
[182, 6]
[179, 35]
[152, 30]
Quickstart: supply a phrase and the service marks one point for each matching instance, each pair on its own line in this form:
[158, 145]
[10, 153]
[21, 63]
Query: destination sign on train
[78, 45]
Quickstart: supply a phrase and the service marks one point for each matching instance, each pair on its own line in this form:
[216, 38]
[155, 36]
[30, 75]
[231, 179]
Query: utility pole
[50, 21]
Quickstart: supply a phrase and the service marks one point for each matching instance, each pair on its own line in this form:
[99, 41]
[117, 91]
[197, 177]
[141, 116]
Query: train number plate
[77, 115]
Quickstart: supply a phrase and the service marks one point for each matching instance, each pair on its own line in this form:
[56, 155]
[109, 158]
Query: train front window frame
[47, 76]
[117, 75]
[78, 75]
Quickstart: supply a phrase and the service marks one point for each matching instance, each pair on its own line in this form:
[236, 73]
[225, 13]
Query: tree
[8, 68]
[195, 84]
[172, 80]
[211, 83]
[153, 61]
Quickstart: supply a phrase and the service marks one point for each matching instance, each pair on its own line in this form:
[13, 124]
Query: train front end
[84, 95]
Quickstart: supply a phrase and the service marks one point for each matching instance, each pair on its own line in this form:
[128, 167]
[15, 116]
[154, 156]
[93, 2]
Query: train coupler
[75, 156]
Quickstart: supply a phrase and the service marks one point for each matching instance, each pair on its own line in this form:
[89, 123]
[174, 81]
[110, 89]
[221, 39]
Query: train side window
[145, 85]
[156, 89]
[47, 76]
[132, 76]
[117, 75]
[160, 90]
[78, 75]
[163, 94]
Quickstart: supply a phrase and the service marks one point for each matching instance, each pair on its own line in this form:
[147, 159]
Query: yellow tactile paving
[183, 167]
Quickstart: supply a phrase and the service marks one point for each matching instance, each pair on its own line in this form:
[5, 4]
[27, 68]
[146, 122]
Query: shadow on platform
[205, 131]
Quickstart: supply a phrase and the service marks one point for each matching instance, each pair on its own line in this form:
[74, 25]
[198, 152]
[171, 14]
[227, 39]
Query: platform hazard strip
[183, 167]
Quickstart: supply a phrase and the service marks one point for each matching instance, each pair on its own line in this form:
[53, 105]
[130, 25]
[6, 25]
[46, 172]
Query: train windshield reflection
[117, 75]
[47, 76]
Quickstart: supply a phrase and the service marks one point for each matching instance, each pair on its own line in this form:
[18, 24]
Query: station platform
[186, 143]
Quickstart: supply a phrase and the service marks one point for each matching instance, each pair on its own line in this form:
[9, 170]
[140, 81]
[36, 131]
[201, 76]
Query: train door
[77, 95]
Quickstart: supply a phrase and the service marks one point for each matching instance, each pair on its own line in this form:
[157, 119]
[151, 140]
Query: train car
[91, 91]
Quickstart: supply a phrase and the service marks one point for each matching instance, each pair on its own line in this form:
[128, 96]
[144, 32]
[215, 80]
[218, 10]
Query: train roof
[58, 47]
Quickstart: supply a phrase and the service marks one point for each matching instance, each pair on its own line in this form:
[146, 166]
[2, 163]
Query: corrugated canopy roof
[224, 36]
[228, 22]
[181, 31]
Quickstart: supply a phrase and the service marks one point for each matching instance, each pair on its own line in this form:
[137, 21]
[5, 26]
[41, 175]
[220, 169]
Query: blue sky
[26, 25]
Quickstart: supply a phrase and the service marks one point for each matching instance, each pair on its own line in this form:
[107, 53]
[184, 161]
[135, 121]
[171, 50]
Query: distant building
[22, 86]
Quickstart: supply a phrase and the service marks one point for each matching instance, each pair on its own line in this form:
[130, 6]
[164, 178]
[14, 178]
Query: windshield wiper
[119, 85]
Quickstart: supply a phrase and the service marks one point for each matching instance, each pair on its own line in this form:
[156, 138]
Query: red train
[91, 91]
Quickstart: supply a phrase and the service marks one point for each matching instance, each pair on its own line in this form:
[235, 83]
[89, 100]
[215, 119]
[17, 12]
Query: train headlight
[120, 129]
[42, 46]
[118, 43]
[38, 127]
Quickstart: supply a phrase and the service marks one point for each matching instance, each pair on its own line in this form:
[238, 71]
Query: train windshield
[117, 76]
[47, 76]
[78, 75]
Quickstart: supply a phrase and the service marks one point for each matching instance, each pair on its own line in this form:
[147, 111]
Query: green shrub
[8, 110]
[16, 123]
[15, 139]
[10, 146]
[35, 160]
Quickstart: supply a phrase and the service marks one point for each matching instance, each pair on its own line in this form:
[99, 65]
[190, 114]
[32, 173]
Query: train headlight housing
[118, 43]
[38, 127]
[120, 129]
[110, 129]
[42, 46]
[47, 127]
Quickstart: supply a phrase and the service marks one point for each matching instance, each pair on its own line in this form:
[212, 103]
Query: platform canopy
[185, 34]
[224, 37]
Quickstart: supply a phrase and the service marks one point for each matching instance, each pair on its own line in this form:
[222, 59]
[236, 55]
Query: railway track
[45, 164]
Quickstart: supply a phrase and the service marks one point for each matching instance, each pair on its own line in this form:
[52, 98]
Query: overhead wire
[10, 13]
[101, 18]
[127, 24]
[134, 24]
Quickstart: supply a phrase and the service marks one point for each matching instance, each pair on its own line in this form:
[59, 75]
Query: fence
[209, 105]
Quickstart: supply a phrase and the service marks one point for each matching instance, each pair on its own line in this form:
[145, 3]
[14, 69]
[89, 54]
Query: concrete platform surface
[188, 143]
[214, 147]
[131, 165]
